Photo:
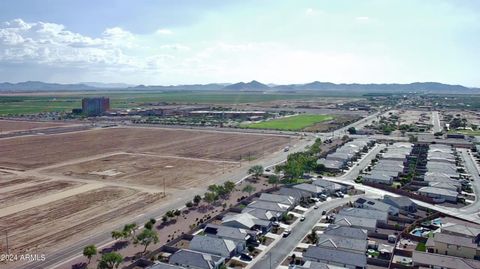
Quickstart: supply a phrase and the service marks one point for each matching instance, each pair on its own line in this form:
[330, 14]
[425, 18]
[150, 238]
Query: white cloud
[362, 18]
[164, 32]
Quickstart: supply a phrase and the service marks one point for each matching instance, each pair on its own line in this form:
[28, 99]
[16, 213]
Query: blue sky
[191, 41]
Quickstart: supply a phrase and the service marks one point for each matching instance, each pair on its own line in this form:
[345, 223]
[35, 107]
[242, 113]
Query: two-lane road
[281, 250]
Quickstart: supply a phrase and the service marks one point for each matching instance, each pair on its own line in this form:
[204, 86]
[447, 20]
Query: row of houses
[345, 242]
[452, 245]
[441, 174]
[391, 165]
[344, 156]
[213, 246]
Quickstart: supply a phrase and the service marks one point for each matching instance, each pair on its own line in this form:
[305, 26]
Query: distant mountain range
[433, 87]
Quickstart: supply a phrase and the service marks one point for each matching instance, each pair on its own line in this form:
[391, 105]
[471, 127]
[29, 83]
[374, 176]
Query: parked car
[323, 197]
[324, 212]
[245, 257]
[315, 207]
[302, 218]
[286, 233]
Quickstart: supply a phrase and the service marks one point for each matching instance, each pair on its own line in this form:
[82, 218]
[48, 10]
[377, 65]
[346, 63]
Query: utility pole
[164, 192]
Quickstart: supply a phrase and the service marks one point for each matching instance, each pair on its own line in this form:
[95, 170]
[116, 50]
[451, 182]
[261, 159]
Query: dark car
[245, 257]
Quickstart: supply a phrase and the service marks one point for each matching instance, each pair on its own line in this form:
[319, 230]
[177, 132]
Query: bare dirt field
[147, 169]
[69, 217]
[10, 125]
[38, 151]
[28, 191]
[59, 188]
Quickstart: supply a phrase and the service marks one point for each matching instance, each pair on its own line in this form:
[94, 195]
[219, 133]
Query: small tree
[256, 171]
[146, 237]
[189, 204]
[273, 180]
[90, 251]
[110, 260]
[209, 197]
[129, 230]
[313, 237]
[197, 199]
[352, 130]
[229, 186]
[117, 235]
[249, 189]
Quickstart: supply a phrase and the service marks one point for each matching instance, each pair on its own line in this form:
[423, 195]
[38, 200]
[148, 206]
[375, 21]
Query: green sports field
[292, 123]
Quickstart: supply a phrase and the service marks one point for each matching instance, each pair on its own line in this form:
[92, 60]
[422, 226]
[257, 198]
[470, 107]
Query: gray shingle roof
[335, 255]
[212, 245]
[364, 213]
[346, 231]
[443, 261]
[190, 258]
[339, 242]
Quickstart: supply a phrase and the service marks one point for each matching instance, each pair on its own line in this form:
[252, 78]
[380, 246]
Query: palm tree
[256, 170]
[249, 189]
[90, 251]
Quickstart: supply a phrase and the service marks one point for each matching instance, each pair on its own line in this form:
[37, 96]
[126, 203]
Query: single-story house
[278, 198]
[376, 205]
[295, 193]
[194, 259]
[271, 206]
[247, 221]
[213, 245]
[431, 260]
[356, 222]
[310, 188]
[262, 213]
[336, 257]
[237, 235]
[401, 202]
[379, 177]
[440, 195]
[345, 231]
[342, 243]
[315, 265]
[329, 186]
[380, 216]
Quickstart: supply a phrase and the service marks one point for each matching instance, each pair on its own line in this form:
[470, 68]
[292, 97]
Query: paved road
[472, 169]
[282, 249]
[437, 127]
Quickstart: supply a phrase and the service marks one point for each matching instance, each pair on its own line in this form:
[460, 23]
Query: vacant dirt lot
[9, 125]
[38, 151]
[147, 169]
[59, 188]
[67, 218]
[31, 190]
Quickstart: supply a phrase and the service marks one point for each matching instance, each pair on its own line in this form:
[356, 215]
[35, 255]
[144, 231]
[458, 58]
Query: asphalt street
[279, 252]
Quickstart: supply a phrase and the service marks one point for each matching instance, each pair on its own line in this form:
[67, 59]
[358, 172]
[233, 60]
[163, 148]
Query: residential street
[279, 252]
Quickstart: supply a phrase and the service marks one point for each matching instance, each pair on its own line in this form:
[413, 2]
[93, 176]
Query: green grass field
[466, 132]
[65, 101]
[292, 123]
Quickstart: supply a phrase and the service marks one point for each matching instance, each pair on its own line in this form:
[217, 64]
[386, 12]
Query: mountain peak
[252, 85]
